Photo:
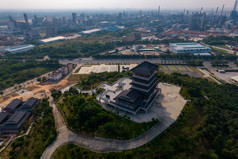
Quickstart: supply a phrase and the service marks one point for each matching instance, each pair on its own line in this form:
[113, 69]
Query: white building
[53, 39]
[55, 76]
[89, 31]
[64, 70]
[20, 48]
[190, 48]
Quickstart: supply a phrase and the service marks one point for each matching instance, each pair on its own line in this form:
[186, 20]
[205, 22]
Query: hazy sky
[96, 4]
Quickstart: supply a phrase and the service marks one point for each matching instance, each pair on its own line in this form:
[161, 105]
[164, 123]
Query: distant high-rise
[234, 12]
[74, 18]
[159, 11]
[12, 23]
[51, 31]
[202, 27]
[26, 20]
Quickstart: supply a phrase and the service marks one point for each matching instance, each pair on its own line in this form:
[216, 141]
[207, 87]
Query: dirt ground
[36, 90]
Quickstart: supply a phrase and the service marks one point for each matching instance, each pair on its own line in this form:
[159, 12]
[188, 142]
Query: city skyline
[122, 4]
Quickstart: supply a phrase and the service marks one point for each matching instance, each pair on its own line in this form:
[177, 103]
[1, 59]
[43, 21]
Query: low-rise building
[64, 70]
[4, 116]
[55, 76]
[71, 66]
[53, 39]
[30, 104]
[190, 48]
[15, 122]
[61, 72]
[13, 106]
[20, 48]
[89, 31]
[15, 114]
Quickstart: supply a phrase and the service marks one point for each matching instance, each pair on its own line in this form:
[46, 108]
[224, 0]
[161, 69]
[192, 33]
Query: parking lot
[191, 71]
[98, 69]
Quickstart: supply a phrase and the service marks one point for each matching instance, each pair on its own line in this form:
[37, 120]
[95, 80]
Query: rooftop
[48, 40]
[30, 102]
[145, 68]
[189, 45]
[130, 95]
[91, 31]
[19, 48]
[3, 116]
[16, 117]
[13, 105]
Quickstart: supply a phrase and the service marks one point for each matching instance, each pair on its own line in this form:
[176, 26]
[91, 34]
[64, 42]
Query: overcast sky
[107, 4]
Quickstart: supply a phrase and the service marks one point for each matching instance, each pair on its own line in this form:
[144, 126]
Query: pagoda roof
[129, 95]
[145, 68]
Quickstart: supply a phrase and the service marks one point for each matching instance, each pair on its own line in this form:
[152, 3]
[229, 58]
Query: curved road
[66, 136]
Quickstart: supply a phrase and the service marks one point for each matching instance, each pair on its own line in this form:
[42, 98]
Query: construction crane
[223, 9]
[221, 17]
[214, 17]
[159, 11]
[233, 13]
[235, 5]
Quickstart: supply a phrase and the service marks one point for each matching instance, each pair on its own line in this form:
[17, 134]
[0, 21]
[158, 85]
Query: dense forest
[221, 40]
[15, 72]
[42, 134]
[207, 127]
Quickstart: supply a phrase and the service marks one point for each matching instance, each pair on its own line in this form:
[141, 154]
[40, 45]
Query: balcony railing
[144, 78]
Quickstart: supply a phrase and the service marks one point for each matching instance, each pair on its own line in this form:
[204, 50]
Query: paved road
[207, 74]
[227, 50]
[107, 61]
[102, 145]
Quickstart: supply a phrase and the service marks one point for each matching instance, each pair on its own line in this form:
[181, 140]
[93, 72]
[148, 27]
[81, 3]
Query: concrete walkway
[168, 115]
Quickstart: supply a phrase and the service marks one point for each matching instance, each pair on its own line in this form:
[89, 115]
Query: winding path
[102, 145]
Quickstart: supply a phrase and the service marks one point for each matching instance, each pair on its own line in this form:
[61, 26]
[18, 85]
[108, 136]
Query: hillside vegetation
[15, 72]
[207, 127]
[42, 134]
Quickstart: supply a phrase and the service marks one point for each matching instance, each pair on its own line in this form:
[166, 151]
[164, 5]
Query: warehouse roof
[90, 31]
[186, 46]
[19, 48]
[48, 40]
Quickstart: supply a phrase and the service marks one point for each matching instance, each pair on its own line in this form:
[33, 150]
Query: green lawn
[219, 50]
[224, 47]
